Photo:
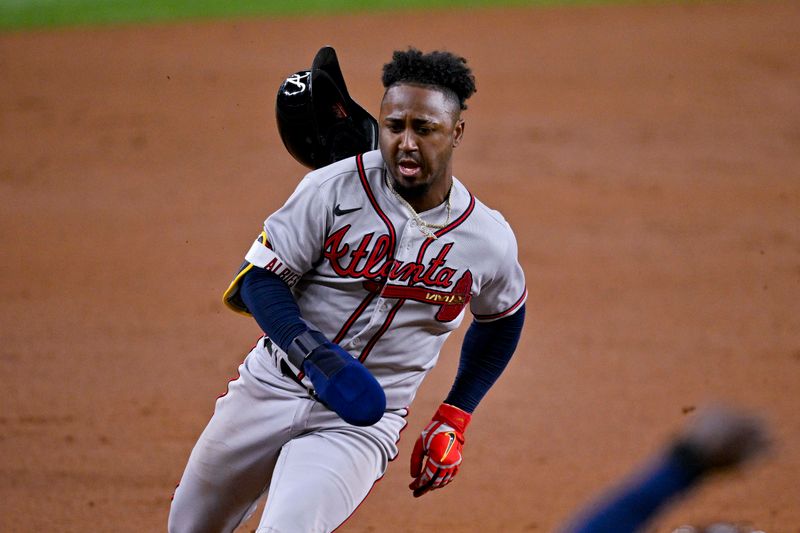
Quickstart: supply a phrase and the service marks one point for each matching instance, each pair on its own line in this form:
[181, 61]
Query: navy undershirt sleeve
[485, 353]
[629, 508]
[487, 347]
[272, 304]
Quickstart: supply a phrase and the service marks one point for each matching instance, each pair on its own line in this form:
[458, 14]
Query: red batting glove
[440, 442]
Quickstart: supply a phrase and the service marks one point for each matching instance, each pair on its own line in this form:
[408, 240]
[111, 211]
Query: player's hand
[437, 452]
[345, 385]
[721, 437]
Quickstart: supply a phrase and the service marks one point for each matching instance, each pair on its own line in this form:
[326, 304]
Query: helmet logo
[317, 120]
[299, 80]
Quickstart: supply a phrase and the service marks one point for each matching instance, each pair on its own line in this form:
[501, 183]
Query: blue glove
[340, 381]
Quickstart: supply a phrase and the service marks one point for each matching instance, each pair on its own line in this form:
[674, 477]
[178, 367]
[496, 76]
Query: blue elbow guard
[340, 381]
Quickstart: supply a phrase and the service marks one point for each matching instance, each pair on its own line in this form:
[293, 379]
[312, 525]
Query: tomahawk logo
[450, 303]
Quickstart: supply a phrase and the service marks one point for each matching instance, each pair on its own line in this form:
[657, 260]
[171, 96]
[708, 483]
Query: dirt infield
[647, 157]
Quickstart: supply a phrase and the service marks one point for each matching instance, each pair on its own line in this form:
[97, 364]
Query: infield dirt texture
[647, 157]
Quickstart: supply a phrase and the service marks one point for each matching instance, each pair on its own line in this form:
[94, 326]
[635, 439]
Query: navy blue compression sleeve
[272, 304]
[485, 352]
[629, 508]
[340, 381]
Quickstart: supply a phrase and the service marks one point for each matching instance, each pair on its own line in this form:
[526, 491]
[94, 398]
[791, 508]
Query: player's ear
[458, 132]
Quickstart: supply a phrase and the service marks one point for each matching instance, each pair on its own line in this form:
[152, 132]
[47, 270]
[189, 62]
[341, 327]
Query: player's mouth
[408, 168]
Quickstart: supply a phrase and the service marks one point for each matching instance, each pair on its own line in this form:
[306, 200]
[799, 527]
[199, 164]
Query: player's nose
[408, 141]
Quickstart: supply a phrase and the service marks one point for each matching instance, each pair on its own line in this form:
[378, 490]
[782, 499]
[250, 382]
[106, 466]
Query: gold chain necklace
[425, 227]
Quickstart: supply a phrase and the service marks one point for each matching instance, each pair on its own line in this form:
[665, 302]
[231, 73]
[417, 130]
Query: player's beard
[412, 193]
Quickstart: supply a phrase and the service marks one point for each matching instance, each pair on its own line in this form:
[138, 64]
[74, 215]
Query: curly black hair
[442, 70]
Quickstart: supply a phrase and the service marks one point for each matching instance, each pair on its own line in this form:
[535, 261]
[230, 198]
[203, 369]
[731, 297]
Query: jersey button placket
[407, 242]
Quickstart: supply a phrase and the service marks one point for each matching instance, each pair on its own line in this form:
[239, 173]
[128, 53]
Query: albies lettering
[285, 273]
[263, 256]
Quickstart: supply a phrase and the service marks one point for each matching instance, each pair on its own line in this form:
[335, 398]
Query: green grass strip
[28, 14]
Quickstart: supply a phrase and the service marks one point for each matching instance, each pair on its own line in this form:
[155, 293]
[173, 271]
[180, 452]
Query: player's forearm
[272, 304]
[631, 506]
[485, 353]
[340, 381]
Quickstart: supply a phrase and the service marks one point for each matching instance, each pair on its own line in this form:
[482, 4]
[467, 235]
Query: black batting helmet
[317, 120]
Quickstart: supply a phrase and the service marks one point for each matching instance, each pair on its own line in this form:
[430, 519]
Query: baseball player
[357, 281]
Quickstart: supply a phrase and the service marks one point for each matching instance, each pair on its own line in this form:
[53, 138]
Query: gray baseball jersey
[374, 283]
[388, 290]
